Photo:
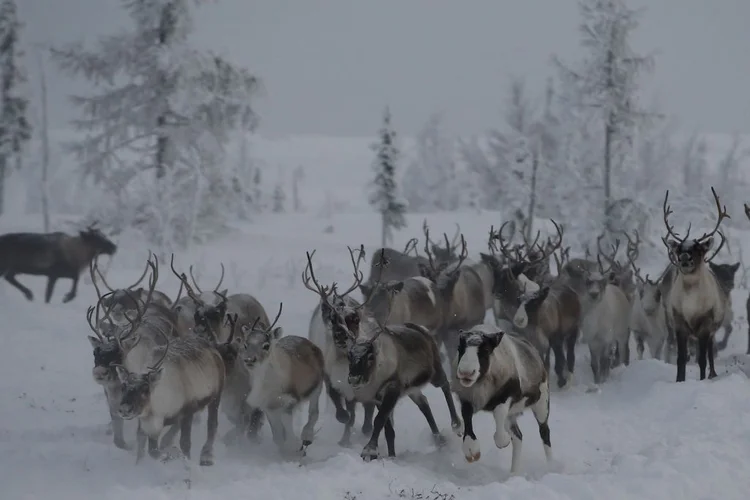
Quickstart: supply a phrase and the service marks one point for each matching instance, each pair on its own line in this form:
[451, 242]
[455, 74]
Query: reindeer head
[340, 312]
[258, 340]
[440, 257]
[529, 307]
[138, 387]
[112, 348]
[649, 291]
[107, 354]
[475, 349]
[725, 274]
[119, 302]
[96, 240]
[206, 309]
[362, 360]
[688, 255]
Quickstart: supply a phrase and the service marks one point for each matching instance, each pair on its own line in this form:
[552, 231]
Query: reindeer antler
[183, 281]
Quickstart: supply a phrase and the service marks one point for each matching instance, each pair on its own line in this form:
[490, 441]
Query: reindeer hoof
[471, 449]
[342, 416]
[712, 375]
[439, 440]
[29, 296]
[367, 429]
[68, 298]
[369, 454]
[458, 428]
[345, 443]
[206, 460]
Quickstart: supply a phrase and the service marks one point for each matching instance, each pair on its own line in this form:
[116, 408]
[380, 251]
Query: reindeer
[216, 321]
[648, 320]
[550, 318]
[387, 363]
[460, 290]
[285, 372]
[334, 307]
[605, 327]
[188, 377]
[503, 374]
[521, 271]
[122, 301]
[133, 346]
[725, 274]
[696, 304]
[54, 255]
[187, 306]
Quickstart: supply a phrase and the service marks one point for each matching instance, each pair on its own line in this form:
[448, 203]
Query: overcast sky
[329, 66]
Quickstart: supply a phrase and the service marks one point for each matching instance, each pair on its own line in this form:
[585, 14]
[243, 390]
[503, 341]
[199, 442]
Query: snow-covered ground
[641, 437]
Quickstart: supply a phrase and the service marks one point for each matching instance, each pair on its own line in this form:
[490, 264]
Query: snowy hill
[641, 437]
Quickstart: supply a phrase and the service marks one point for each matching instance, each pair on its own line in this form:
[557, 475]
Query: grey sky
[329, 66]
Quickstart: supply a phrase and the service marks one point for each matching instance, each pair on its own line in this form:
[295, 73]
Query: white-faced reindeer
[387, 363]
[188, 377]
[285, 372]
[502, 374]
[648, 320]
[696, 304]
[334, 307]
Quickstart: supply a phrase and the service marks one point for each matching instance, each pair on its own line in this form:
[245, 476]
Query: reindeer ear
[425, 271]
[365, 289]
[397, 287]
[488, 259]
[154, 375]
[224, 292]
[494, 338]
[245, 330]
[277, 332]
[706, 245]
[326, 310]
[95, 342]
[734, 267]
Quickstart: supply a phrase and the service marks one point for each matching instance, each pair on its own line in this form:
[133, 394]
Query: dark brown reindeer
[55, 255]
[695, 302]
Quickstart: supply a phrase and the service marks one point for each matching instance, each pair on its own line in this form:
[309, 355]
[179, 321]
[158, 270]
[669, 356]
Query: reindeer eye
[266, 346]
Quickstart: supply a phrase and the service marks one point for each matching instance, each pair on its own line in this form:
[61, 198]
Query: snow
[641, 435]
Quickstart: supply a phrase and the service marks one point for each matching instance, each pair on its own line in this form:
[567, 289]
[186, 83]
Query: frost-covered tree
[15, 128]
[384, 196]
[156, 126]
[607, 85]
[432, 181]
[298, 175]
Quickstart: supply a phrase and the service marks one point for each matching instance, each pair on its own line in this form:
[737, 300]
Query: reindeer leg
[424, 406]
[207, 452]
[390, 437]
[255, 423]
[540, 409]
[345, 440]
[140, 443]
[557, 347]
[681, 354]
[117, 430]
[570, 343]
[711, 353]
[11, 278]
[516, 441]
[471, 448]
[441, 380]
[335, 396]
[313, 412]
[639, 345]
[186, 428]
[51, 280]
[369, 414]
[73, 290]
[391, 395]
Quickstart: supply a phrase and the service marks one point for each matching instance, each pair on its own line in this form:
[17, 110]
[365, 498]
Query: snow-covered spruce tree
[384, 196]
[15, 128]
[607, 82]
[279, 198]
[156, 128]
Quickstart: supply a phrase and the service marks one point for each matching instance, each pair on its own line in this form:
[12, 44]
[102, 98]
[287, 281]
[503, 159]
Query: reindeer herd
[162, 361]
